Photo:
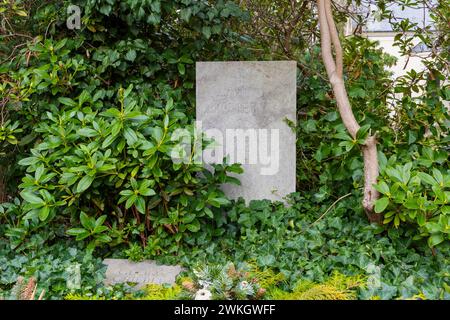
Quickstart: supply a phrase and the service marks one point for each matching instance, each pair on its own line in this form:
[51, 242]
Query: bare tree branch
[334, 39]
[329, 37]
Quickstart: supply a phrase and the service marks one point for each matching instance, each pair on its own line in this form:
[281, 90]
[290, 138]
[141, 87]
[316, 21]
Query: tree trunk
[334, 65]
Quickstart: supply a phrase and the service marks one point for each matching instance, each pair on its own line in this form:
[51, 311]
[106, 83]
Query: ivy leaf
[185, 14]
[131, 55]
[154, 18]
[105, 9]
[356, 92]
[412, 137]
[206, 31]
[310, 126]
[331, 116]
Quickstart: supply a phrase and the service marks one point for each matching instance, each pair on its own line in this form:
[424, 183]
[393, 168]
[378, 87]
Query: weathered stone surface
[142, 273]
[250, 95]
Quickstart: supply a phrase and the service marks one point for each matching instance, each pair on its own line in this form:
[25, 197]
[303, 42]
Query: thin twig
[329, 208]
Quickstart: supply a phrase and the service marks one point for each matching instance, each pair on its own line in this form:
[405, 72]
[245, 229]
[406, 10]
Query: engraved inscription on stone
[246, 107]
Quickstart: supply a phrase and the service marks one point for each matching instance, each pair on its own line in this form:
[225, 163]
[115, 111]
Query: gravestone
[141, 273]
[246, 107]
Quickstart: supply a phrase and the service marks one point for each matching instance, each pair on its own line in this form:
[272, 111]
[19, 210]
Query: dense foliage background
[86, 132]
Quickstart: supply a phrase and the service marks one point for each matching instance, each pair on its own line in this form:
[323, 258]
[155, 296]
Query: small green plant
[91, 228]
[135, 196]
[416, 195]
[8, 132]
[135, 252]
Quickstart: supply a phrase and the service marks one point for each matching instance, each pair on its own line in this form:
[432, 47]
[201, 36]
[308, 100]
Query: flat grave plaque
[142, 273]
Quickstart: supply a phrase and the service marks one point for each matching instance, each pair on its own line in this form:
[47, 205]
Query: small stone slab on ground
[142, 273]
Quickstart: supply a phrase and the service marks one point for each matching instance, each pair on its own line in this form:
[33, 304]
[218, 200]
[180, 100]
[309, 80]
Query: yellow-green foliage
[419, 296]
[151, 292]
[160, 292]
[76, 296]
[266, 278]
[342, 281]
[337, 287]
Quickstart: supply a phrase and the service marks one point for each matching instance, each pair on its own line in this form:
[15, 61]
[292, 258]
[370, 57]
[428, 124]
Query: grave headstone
[246, 107]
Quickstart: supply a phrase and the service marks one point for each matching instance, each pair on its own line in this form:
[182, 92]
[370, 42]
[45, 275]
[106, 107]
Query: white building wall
[403, 65]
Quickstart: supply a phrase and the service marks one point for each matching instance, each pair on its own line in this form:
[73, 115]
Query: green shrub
[416, 198]
[97, 110]
[301, 243]
[117, 166]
